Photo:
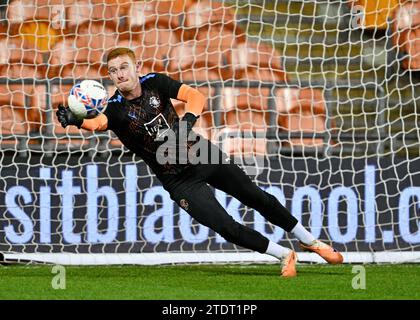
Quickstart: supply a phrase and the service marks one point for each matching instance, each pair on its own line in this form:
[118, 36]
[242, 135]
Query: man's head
[122, 69]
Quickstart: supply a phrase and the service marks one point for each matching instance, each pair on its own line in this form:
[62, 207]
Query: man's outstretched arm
[67, 118]
[194, 99]
[99, 123]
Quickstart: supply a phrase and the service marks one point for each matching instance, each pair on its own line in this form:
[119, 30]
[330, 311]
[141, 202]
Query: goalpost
[317, 101]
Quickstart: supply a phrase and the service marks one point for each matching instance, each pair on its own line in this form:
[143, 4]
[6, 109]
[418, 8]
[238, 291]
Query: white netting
[316, 99]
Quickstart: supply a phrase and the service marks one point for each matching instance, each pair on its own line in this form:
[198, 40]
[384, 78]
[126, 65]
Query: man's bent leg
[201, 204]
[231, 179]
[199, 201]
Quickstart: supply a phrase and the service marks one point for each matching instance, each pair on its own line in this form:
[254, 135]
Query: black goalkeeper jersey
[139, 123]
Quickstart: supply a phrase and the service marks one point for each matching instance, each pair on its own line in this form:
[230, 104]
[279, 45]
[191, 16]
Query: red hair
[120, 51]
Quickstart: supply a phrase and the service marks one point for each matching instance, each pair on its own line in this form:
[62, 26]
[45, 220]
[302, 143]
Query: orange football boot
[288, 265]
[327, 252]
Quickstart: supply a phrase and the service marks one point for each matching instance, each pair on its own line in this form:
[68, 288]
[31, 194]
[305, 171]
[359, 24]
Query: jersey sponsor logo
[157, 126]
[154, 102]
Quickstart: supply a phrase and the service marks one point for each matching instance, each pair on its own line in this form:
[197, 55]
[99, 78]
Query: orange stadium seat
[242, 144]
[62, 55]
[12, 125]
[20, 59]
[19, 99]
[212, 49]
[99, 36]
[375, 12]
[181, 57]
[223, 39]
[406, 34]
[150, 57]
[213, 57]
[167, 14]
[19, 11]
[155, 46]
[245, 120]
[197, 61]
[71, 58]
[252, 98]
[158, 35]
[36, 21]
[203, 15]
[82, 12]
[49, 12]
[256, 61]
[301, 110]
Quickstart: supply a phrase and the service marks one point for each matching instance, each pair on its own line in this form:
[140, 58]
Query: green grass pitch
[208, 282]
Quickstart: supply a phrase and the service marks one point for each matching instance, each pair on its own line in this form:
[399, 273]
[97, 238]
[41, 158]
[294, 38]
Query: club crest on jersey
[184, 204]
[154, 102]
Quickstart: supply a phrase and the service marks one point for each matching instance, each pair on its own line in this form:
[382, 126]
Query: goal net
[316, 100]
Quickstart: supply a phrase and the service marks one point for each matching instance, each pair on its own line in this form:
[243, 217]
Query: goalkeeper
[142, 116]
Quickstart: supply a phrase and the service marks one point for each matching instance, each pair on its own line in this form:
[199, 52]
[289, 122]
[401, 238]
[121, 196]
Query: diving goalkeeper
[141, 114]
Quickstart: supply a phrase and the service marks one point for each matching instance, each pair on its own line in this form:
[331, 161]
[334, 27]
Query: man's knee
[229, 230]
[271, 201]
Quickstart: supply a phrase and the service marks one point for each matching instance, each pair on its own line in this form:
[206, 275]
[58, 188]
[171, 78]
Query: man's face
[123, 72]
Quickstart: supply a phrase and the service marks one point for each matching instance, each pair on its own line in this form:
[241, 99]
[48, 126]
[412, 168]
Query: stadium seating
[20, 59]
[110, 14]
[406, 34]
[168, 14]
[241, 98]
[301, 110]
[375, 12]
[156, 44]
[20, 12]
[245, 120]
[19, 99]
[198, 61]
[204, 15]
[36, 21]
[73, 58]
[193, 41]
[256, 60]
[12, 126]
[242, 144]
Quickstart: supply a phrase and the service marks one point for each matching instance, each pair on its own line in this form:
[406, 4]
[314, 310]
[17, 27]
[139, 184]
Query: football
[87, 99]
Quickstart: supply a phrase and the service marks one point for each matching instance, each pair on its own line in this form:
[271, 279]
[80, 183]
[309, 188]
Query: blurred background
[310, 77]
[317, 99]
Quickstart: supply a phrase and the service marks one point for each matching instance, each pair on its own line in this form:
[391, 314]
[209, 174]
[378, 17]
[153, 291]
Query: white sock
[277, 250]
[302, 234]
